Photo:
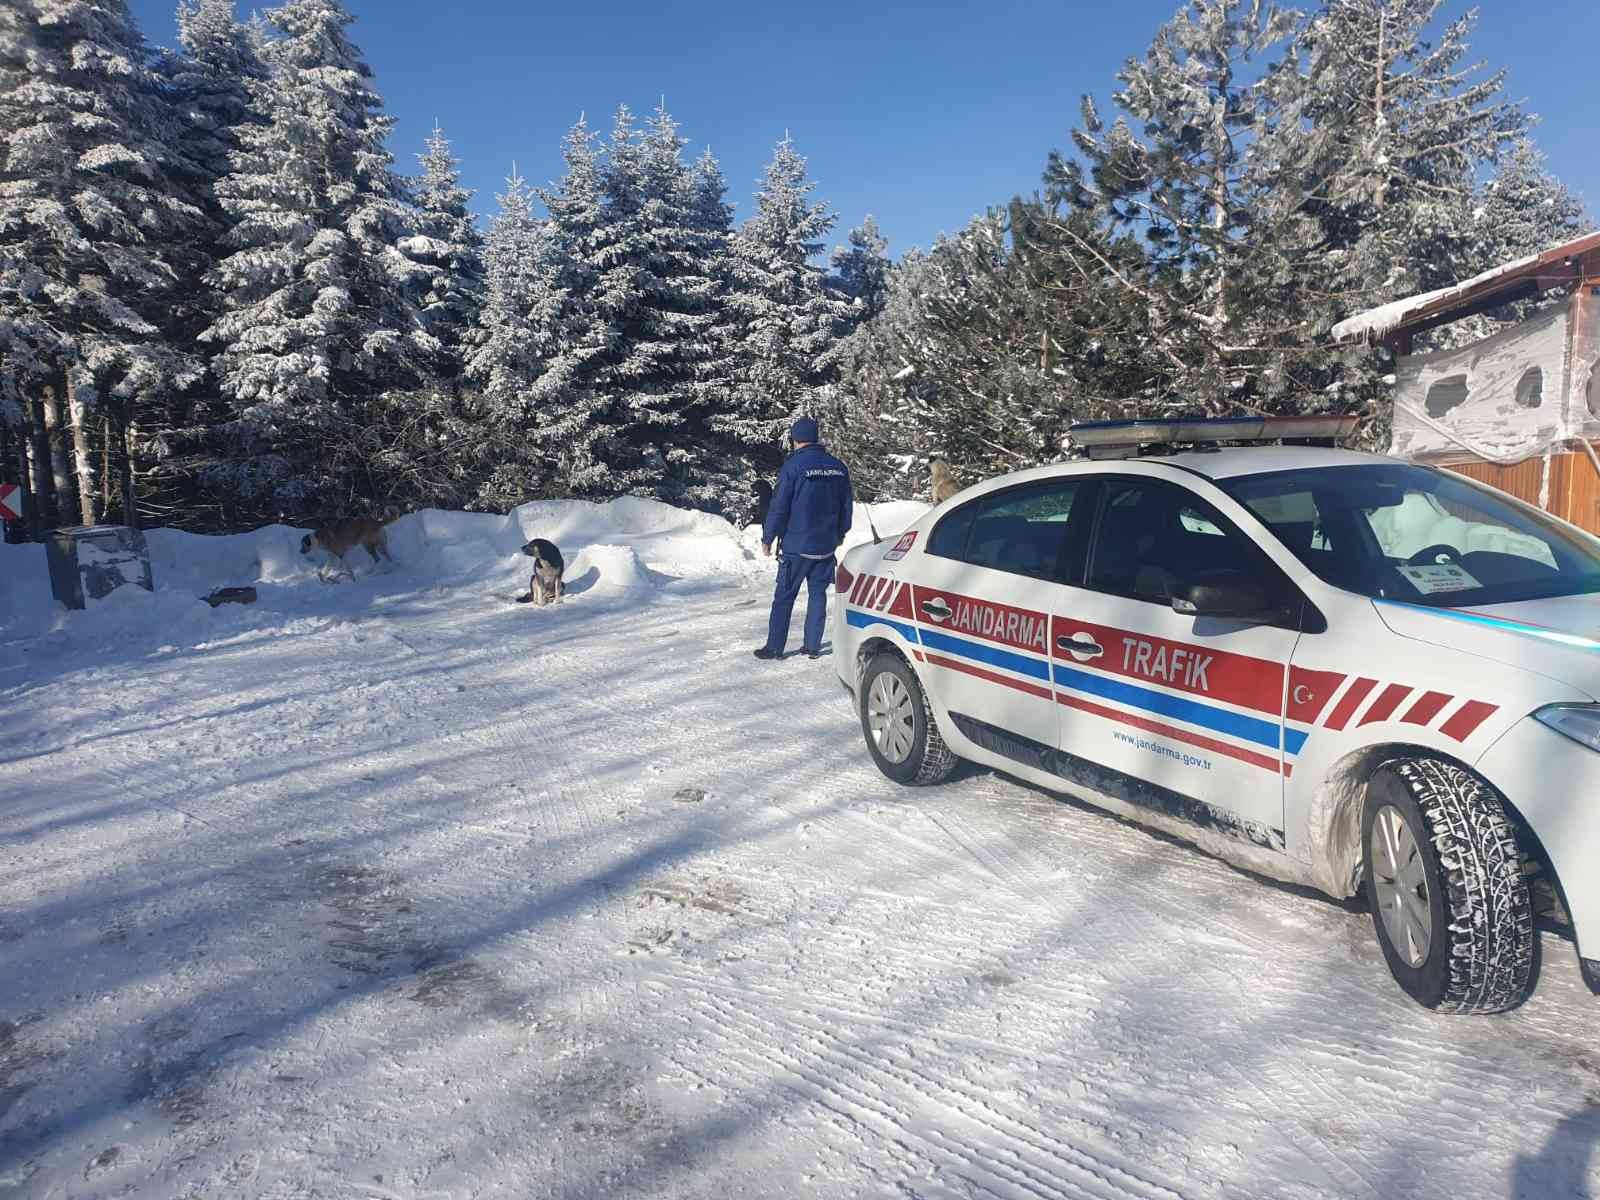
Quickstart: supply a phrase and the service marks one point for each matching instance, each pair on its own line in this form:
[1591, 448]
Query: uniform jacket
[811, 508]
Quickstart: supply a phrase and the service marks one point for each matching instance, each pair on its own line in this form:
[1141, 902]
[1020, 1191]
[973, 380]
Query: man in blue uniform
[809, 516]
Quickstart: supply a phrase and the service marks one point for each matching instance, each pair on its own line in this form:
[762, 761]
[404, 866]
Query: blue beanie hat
[804, 430]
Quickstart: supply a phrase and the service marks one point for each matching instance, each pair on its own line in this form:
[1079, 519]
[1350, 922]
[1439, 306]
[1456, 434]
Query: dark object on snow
[545, 586]
[763, 495]
[232, 595]
[89, 562]
[689, 795]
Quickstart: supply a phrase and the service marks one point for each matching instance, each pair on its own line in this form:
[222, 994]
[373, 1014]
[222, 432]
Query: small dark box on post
[88, 562]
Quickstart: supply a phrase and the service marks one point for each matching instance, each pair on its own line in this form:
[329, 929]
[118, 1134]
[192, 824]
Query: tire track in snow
[1017, 1157]
[1112, 901]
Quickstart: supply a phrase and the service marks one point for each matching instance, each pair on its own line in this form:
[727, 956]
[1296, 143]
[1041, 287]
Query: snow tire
[929, 760]
[1481, 955]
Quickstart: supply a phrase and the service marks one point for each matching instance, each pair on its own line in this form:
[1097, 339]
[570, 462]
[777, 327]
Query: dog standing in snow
[545, 586]
[340, 537]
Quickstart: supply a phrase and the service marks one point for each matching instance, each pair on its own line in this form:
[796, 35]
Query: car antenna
[867, 508]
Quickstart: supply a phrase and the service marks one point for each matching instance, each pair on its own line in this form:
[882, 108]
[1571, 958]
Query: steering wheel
[1429, 555]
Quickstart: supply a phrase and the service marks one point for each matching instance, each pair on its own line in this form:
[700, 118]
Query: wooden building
[1520, 409]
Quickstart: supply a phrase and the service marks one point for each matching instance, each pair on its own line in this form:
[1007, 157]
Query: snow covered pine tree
[320, 320]
[91, 222]
[786, 322]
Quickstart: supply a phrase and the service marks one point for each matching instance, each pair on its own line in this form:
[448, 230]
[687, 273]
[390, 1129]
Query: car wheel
[899, 726]
[1444, 882]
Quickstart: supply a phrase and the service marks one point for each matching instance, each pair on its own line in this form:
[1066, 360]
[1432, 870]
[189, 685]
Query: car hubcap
[1401, 881]
[890, 716]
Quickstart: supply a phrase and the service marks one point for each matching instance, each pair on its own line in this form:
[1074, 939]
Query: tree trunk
[32, 514]
[80, 454]
[130, 515]
[1377, 96]
[39, 465]
[105, 460]
[9, 463]
[56, 435]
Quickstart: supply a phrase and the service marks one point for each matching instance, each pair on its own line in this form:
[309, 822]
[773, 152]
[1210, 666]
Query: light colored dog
[943, 483]
[338, 538]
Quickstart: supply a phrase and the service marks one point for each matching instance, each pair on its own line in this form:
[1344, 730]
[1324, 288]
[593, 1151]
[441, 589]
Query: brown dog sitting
[340, 537]
[943, 484]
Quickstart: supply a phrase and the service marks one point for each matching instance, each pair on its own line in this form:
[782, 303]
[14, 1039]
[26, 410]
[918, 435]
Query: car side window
[949, 538]
[1020, 530]
[1153, 537]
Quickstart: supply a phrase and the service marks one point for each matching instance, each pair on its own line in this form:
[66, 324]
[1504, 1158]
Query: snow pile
[621, 551]
[24, 590]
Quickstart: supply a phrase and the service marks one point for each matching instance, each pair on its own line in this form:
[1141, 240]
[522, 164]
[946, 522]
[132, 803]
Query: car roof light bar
[1125, 439]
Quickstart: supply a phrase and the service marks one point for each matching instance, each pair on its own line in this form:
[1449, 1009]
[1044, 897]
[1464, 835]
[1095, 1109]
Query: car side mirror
[1229, 594]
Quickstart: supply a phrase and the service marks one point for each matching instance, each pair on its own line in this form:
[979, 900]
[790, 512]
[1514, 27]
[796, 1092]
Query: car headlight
[1580, 722]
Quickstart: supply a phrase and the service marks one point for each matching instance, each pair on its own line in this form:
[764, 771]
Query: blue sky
[921, 113]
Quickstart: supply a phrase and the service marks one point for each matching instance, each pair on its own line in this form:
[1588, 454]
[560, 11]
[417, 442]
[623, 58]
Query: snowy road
[422, 894]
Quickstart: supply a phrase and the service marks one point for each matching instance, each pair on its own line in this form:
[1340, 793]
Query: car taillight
[843, 580]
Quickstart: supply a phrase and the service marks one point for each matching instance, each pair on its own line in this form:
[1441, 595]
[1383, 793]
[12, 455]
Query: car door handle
[1085, 646]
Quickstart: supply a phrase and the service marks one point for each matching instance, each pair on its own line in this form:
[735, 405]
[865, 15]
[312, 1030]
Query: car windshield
[1402, 532]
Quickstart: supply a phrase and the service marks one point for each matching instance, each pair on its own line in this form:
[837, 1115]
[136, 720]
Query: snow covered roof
[1398, 315]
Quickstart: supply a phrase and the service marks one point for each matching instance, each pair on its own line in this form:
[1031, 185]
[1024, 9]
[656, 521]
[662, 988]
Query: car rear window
[1021, 530]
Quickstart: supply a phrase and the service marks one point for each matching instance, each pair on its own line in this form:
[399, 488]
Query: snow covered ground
[394, 889]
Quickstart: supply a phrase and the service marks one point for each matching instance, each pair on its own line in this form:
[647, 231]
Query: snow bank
[619, 549]
[25, 602]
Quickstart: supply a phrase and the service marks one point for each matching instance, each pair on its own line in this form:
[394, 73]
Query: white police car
[1335, 668]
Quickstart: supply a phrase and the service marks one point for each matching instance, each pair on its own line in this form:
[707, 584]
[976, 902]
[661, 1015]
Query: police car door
[983, 592]
[1190, 704]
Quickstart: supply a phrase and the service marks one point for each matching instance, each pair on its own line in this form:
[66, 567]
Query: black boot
[765, 653]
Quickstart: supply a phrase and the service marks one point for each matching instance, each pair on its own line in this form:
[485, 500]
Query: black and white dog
[545, 585]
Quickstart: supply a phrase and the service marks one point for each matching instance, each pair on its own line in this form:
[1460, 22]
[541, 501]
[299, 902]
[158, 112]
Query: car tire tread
[931, 760]
[1488, 907]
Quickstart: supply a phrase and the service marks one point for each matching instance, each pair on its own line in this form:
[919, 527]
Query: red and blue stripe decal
[1236, 705]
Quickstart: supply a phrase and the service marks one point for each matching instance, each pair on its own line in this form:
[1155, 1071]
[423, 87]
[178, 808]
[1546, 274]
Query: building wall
[1572, 491]
[1490, 417]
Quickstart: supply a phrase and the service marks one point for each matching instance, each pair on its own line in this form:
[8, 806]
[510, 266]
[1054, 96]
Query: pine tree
[570, 412]
[319, 322]
[448, 244]
[1398, 124]
[90, 214]
[1185, 183]
[724, 465]
[514, 324]
[667, 339]
[207, 82]
[1523, 209]
[509, 345]
[787, 323]
[861, 271]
